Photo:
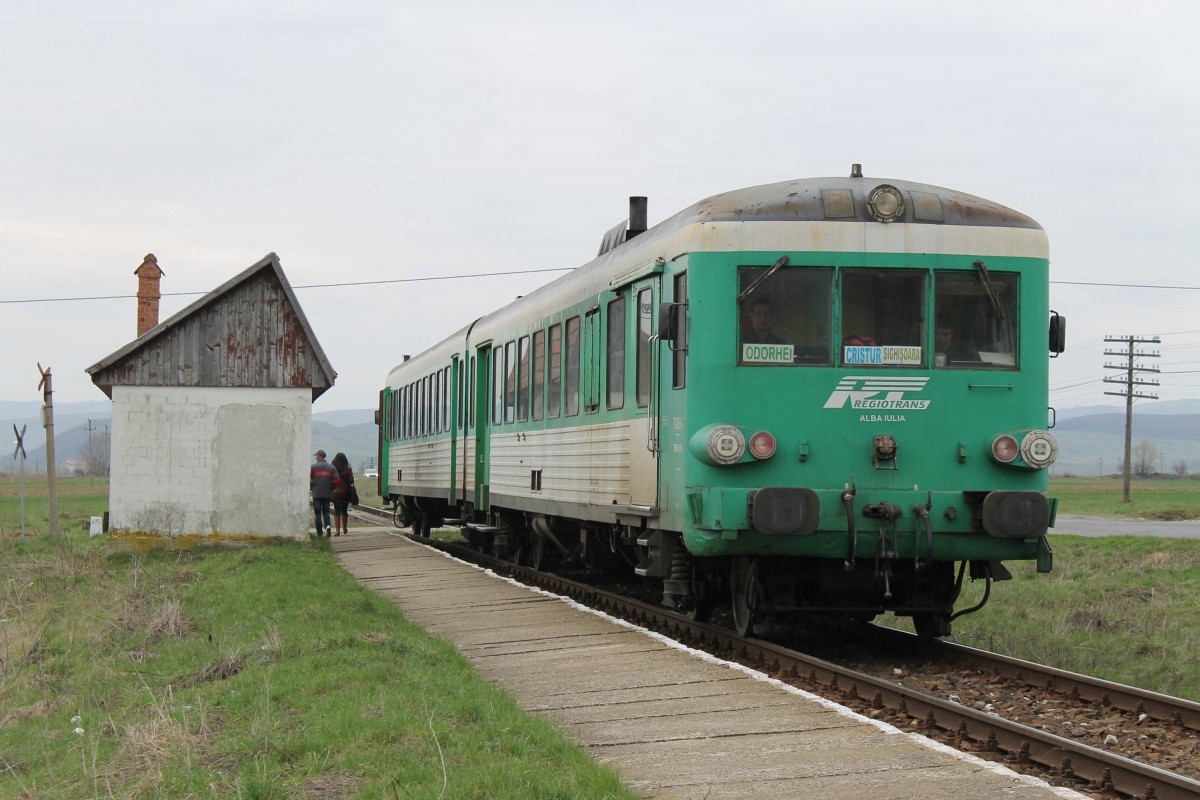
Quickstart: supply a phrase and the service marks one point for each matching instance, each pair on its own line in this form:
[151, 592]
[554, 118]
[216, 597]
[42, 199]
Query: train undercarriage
[757, 592]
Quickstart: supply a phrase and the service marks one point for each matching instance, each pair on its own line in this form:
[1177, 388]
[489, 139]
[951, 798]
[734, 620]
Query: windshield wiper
[981, 272]
[782, 262]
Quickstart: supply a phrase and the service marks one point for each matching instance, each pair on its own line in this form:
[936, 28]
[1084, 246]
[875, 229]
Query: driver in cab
[760, 323]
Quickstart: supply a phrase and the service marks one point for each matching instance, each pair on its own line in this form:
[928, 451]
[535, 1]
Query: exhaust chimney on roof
[148, 293]
[637, 217]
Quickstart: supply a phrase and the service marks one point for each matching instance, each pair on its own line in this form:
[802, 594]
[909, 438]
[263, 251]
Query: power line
[305, 286]
[1073, 385]
[1126, 285]
[497, 274]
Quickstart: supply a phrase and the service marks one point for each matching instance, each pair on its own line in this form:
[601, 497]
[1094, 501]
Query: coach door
[643, 446]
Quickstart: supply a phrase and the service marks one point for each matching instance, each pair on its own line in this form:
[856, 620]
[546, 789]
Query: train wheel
[743, 584]
[397, 517]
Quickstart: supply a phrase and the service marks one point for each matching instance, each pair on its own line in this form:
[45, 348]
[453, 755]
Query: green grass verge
[252, 672]
[1150, 498]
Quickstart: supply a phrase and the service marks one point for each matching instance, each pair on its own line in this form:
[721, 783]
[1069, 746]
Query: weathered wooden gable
[249, 332]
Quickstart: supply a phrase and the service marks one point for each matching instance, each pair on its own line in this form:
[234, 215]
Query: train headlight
[762, 445]
[1005, 448]
[726, 444]
[885, 203]
[1039, 449]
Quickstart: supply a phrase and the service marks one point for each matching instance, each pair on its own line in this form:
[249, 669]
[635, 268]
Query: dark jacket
[342, 484]
[320, 480]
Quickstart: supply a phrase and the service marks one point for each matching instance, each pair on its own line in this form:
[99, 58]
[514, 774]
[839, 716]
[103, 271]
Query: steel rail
[1127, 698]
[1062, 757]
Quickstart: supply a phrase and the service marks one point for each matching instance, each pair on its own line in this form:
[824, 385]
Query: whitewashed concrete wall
[210, 460]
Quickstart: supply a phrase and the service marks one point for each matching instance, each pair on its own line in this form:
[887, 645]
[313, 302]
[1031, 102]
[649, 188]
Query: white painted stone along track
[670, 722]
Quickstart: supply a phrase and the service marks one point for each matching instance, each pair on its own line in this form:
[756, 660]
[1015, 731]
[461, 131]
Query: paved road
[1096, 526]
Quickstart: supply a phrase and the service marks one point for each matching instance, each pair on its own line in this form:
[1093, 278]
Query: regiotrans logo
[878, 393]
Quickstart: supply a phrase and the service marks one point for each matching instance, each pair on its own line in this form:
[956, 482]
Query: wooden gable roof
[248, 332]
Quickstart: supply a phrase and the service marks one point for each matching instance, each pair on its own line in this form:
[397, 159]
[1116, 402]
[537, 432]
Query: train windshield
[975, 325]
[882, 318]
[784, 316]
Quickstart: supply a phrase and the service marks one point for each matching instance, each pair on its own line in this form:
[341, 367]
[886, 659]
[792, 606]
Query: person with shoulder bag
[344, 494]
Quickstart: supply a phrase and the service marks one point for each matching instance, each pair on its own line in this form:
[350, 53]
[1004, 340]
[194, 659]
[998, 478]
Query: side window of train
[462, 393]
[572, 400]
[883, 313]
[497, 384]
[426, 405]
[975, 327]
[783, 315]
[554, 373]
[435, 419]
[614, 377]
[523, 379]
[446, 398]
[539, 374]
[471, 395]
[510, 381]
[679, 349]
[397, 413]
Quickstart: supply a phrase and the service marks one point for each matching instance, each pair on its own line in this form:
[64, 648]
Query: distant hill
[1140, 408]
[1095, 443]
[350, 432]
[352, 416]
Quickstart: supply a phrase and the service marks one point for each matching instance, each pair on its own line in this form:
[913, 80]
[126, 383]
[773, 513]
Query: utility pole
[1131, 366]
[48, 423]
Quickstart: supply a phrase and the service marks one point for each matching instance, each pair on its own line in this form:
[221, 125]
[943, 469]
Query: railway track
[910, 702]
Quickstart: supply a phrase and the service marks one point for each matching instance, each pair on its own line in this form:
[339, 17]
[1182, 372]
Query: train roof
[846, 200]
[830, 199]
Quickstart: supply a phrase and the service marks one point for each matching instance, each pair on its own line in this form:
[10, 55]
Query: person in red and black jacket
[320, 481]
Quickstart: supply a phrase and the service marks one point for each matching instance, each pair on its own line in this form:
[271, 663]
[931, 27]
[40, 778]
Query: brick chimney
[148, 294]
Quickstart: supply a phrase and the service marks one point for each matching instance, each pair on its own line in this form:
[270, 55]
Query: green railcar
[818, 396]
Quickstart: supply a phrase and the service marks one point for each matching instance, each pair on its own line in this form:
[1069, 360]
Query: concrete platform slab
[672, 723]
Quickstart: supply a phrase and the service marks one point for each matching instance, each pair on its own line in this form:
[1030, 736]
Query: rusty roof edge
[269, 260]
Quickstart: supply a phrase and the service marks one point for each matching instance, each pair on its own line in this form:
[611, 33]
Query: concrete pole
[47, 388]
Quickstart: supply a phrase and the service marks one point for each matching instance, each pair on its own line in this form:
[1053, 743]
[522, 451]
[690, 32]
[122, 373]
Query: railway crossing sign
[20, 448]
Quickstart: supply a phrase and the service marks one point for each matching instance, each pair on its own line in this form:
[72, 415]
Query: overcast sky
[373, 141]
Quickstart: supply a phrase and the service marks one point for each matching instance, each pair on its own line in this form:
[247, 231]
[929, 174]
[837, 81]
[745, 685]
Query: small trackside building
[212, 412]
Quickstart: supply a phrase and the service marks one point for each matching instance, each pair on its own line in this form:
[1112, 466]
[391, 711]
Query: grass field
[249, 672]
[1167, 499]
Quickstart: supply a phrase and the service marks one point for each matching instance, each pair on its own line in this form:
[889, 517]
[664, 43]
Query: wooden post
[47, 388]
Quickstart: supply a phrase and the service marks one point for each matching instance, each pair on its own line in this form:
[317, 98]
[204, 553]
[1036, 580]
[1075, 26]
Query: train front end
[864, 422]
